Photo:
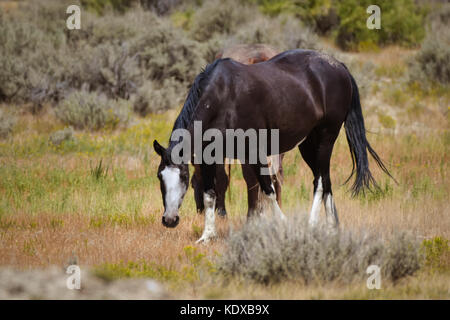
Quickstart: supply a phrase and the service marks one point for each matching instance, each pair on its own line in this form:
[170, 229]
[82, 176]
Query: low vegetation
[271, 250]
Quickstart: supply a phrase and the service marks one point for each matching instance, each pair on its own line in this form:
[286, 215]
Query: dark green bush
[401, 21]
[437, 254]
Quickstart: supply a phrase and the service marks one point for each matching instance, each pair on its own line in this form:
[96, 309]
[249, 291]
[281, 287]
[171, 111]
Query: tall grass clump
[437, 254]
[270, 250]
[84, 110]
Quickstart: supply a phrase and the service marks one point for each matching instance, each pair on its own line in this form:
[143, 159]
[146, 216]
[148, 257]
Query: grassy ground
[58, 205]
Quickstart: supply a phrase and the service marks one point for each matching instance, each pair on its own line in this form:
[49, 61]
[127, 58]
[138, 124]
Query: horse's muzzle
[170, 222]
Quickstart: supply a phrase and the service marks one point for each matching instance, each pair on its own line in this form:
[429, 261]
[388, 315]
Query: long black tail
[356, 137]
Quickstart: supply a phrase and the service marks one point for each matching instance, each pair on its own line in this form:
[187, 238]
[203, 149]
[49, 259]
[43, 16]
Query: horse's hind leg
[268, 192]
[221, 189]
[324, 157]
[316, 151]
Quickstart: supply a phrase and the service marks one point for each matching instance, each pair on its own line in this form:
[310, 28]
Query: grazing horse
[305, 95]
[246, 54]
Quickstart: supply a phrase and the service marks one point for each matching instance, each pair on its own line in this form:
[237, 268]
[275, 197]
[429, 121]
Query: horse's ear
[158, 148]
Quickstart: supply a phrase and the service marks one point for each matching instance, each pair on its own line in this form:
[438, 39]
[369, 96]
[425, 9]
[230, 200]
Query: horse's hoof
[205, 238]
[222, 212]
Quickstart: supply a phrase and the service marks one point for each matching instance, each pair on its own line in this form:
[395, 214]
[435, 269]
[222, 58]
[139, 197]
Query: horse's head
[174, 181]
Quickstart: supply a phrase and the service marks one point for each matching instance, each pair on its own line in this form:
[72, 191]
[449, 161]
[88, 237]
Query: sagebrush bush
[282, 32]
[154, 98]
[58, 137]
[270, 250]
[101, 6]
[218, 17]
[7, 122]
[432, 62]
[21, 57]
[84, 110]
[112, 55]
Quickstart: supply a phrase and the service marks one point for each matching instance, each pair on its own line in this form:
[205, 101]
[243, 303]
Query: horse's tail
[358, 144]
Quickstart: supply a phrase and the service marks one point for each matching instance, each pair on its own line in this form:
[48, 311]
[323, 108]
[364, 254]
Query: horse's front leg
[209, 201]
[222, 182]
[197, 185]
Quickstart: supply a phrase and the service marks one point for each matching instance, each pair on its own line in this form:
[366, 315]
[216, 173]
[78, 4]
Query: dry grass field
[95, 200]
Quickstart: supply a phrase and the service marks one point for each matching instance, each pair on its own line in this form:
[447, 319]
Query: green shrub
[401, 21]
[84, 110]
[21, 57]
[437, 254]
[320, 15]
[270, 250]
[432, 62]
[218, 17]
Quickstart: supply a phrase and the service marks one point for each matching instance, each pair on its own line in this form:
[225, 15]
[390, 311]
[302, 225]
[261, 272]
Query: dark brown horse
[246, 54]
[304, 96]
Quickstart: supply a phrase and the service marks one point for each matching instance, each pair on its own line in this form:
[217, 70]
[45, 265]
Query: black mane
[195, 93]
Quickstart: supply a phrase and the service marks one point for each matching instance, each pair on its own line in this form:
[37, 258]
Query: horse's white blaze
[315, 209]
[330, 209]
[175, 189]
[209, 231]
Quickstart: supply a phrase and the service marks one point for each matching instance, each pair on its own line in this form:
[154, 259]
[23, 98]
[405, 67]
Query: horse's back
[294, 91]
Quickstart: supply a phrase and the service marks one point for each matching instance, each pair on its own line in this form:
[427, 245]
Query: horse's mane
[195, 93]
